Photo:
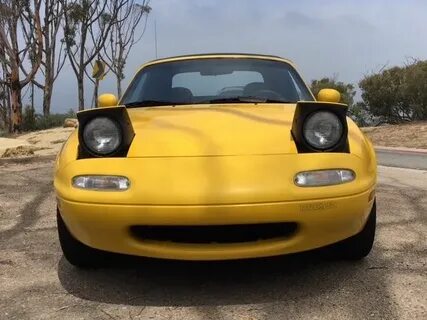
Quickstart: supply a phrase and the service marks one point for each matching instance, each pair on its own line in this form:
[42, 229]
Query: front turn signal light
[320, 178]
[101, 183]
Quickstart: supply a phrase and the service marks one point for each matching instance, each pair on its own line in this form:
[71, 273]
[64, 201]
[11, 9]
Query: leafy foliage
[29, 119]
[347, 90]
[357, 111]
[397, 94]
[32, 121]
[361, 115]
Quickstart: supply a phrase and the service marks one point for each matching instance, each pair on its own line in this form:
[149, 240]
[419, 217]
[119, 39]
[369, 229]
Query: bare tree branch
[125, 33]
[87, 26]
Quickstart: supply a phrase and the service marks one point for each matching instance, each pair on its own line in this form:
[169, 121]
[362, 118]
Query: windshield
[225, 80]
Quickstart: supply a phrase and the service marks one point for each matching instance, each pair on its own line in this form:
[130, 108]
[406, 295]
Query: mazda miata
[213, 157]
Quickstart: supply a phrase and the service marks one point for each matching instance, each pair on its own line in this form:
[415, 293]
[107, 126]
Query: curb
[401, 150]
[32, 159]
[383, 166]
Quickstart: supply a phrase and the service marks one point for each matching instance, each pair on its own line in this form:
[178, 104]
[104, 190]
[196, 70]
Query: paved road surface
[37, 283]
[402, 159]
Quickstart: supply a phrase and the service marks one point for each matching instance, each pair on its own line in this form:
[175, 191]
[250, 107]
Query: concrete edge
[36, 158]
[385, 167]
[401, 150]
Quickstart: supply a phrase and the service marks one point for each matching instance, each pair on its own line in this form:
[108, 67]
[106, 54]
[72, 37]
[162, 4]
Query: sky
[343, 38]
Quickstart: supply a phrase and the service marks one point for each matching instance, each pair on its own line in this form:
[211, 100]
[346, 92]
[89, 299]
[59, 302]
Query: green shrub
[28, 119]
[397, 94]
[32, 121]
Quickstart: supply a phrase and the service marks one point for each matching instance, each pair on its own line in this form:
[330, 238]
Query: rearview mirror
[107, 100]
[329, 95]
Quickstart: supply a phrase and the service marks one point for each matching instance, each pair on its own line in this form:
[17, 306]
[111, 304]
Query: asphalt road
[402, 159]
[37, 283]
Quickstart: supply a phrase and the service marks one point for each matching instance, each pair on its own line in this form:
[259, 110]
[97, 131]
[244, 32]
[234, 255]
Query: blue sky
[345, 38]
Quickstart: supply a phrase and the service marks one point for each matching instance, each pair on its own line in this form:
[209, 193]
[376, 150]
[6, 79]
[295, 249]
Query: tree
[357, 111]
[87, 24]
[415, 89]
[124, 35]
[4, 94]
[17, 17]
[53, 51]
[397, 94]
[4, 108]
[347, 90]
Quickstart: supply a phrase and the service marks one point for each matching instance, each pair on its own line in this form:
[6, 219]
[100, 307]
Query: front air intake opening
[215, 234]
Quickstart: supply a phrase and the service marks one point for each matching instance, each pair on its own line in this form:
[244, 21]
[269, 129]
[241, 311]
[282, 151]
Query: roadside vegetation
[38, 37]
[35, 122]
[391, 96]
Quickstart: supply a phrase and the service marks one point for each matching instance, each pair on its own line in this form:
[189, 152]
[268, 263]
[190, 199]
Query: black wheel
[77, 253]
[358, 246]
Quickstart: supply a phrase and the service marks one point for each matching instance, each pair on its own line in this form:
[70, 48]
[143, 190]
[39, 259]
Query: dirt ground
[412, 135]
[36, 282]
[39, 143]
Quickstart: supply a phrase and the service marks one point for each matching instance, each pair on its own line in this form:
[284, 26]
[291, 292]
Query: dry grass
[21, 151]
[39, 143]
[411, 135]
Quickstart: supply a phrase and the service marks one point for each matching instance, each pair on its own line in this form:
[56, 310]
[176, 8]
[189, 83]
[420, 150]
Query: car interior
[189, 82]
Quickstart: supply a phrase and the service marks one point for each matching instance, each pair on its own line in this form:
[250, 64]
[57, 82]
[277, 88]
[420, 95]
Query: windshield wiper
[247, 99]
[153, 103]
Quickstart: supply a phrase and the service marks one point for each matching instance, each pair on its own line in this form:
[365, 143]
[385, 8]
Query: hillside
[411, 135]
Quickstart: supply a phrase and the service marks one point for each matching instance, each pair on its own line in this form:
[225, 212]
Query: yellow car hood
[207, 130]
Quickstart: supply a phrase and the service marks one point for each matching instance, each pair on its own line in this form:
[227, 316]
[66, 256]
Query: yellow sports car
[211, 157]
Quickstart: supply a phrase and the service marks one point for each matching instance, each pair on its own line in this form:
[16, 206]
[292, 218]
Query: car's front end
[211, 181]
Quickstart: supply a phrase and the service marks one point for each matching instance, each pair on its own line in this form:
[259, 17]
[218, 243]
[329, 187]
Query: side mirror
[107, 100]
[329, 95]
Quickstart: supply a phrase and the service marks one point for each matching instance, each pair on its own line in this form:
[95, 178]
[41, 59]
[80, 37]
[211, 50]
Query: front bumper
[320, 223]
[224, 180]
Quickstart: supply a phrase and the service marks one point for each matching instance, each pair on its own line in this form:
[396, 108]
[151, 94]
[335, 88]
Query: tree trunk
[15, 99]
[8, 110]
[47, 98]
[119, 87]
[80, 85]
[96, 93]
[48, 83]
[3, 111]
[32, 96]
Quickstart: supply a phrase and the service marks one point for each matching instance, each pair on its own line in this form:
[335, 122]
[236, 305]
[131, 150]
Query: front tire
[358, 246]
[77, 253]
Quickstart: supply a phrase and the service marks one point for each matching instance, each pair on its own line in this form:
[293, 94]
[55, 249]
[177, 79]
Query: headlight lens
[102, 136]
[322, 130]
